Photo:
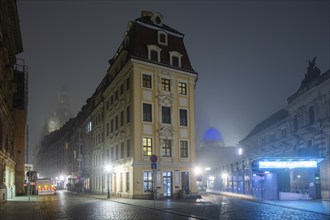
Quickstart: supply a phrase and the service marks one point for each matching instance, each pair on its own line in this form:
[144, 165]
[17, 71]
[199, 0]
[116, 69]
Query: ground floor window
[147, 181]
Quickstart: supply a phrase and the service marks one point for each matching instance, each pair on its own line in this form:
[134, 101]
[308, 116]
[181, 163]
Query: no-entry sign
[153, 158]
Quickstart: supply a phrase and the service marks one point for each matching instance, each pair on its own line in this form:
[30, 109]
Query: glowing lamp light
[224, 175]
[108, 168]
[198, 170]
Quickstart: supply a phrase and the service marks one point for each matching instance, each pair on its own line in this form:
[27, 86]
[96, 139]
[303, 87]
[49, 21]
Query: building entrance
[167, 184]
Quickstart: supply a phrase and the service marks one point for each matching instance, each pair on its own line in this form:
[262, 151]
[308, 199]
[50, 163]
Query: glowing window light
[288, 164]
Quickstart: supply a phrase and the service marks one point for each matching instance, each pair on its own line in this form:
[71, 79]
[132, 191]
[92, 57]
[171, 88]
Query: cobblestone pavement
[67, 206]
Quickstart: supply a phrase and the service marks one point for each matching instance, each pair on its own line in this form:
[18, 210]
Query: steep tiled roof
[143, 32]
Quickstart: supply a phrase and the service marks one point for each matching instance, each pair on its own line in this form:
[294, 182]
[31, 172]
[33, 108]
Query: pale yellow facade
[123, 141]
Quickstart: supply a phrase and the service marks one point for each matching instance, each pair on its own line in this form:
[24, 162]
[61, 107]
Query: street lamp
[108, 170]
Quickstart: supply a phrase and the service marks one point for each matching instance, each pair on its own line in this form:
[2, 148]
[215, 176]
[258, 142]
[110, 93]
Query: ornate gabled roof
[143, 32]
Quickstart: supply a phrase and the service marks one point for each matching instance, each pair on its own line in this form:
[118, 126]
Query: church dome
[212, 135]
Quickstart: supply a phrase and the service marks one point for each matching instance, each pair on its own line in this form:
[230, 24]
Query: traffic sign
[153, 158]
[154, 166]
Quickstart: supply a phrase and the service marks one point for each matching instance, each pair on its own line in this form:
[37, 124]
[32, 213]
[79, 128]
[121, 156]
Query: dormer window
[162, 38]
[175, 58]
[154, 53]
[175, 61]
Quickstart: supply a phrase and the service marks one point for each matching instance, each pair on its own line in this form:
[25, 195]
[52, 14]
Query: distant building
[62, 113]
[13, 103]
[286, 156]
[212, 154]
[144, 106]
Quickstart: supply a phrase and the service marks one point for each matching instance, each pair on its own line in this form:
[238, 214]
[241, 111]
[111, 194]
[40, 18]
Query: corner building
[143, 107]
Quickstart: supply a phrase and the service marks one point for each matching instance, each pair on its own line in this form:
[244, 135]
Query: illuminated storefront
[286, 178]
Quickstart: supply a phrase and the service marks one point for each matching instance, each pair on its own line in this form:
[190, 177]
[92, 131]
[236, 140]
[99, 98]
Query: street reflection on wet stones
[66, 205]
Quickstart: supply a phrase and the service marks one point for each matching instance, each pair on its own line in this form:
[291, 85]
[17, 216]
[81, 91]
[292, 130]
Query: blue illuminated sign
[287, 164]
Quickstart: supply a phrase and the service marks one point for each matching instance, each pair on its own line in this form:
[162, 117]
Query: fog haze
[250, 55]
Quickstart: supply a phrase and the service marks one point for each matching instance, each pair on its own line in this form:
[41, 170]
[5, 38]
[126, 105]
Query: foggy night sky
[250, 55]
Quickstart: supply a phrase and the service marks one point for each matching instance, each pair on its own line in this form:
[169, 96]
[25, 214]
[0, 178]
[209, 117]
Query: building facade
[13, 102]
[286, 156]
[144, 106]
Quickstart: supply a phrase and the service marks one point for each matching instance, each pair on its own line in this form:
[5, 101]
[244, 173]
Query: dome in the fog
[212, 138]
[212, 134]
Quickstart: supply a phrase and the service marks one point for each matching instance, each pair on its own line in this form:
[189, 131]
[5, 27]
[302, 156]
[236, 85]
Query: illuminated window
[183, 117]
[89, 127]
[147, 146]
[166, 115]
[166, 84]
[182, 88]
[147, 181]
[147, 112]
[184, 149]
[146, 81]
[167, 148]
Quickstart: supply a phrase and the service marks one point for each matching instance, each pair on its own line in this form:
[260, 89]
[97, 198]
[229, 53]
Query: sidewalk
[316, 206]
[21, 207]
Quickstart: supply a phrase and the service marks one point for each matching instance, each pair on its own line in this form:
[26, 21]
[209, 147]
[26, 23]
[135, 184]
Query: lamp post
[108, 170]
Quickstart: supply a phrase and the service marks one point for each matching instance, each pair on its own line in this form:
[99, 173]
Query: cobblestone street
[67, 205]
